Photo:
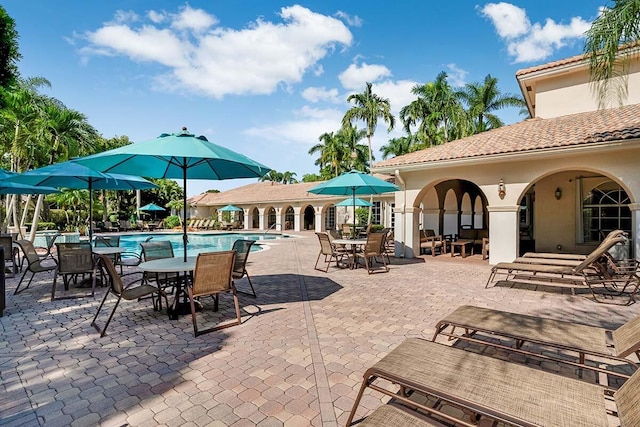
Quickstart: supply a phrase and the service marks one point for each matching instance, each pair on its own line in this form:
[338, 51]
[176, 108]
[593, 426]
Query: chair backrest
[157, 250]
[115, 281]
[598, 252]
[74, 257]
[325, 243]
[347, 229]
[29, 252]
[334, 234]
[374, 244]
[242, 249]
[626, 398]
[107, 241]
[6, 242]
[429, 232]
[213, 272]
[467, 234]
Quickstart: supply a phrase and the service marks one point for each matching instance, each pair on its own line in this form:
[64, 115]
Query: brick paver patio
[297, 359]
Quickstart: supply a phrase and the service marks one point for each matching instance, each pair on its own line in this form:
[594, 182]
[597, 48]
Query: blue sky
[267, 78]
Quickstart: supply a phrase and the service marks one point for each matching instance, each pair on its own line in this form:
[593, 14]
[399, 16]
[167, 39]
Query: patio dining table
[173, 265]
[354, 244]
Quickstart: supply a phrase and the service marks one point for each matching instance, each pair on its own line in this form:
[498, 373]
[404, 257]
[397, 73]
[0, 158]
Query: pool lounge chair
[586, 274]
[549, 333]
[496, 389]
[574, 257]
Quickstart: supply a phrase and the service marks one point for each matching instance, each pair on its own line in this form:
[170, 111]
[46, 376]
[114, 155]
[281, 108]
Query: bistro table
[354, 243]
[173, 265]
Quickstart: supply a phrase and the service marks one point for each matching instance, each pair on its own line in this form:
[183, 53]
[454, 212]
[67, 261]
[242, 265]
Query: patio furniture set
[374, 247]
[161, 274]
[464, 242]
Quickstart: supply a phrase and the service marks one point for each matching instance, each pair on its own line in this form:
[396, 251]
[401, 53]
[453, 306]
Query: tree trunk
[370, 173]
[36, 217]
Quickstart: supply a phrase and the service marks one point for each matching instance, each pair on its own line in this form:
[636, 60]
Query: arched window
[605, 207]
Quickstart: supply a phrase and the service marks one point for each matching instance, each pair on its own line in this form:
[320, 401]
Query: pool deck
[296, 360]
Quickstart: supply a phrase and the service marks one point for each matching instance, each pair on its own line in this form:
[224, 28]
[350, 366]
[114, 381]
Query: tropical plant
[331, 155]
[482, 99]
[311, 177]
[273, 176]
[368, 107]
[618, 25]
[398, 146]
[288, 177]
[9, 52]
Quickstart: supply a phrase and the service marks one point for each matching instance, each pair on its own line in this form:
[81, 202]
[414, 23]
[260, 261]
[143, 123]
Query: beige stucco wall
[554, 220]
[570, 93]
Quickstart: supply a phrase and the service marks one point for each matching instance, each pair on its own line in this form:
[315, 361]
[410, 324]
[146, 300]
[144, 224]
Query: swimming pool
[197, 242]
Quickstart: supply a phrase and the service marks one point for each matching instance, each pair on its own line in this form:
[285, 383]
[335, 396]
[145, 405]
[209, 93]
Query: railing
[270, 228]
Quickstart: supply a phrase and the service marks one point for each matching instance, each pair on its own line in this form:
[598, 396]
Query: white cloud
[352, 21]
[510, 21]
[531, 42]
[397, 92]
[356, 76]
[308, 124]
[222, 61]
[456, 76]
[317, 94]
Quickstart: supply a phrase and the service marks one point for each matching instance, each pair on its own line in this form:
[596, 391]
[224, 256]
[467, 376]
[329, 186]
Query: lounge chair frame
[496, 389]
[588, 273]
[581, 339]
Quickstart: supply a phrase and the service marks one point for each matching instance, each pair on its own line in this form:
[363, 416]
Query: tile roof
[550, 65]
[533, 134]
[266, 192]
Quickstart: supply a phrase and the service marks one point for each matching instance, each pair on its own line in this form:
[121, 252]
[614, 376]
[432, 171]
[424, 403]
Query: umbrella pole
[184, 208]
[354, 213]
[90, 212]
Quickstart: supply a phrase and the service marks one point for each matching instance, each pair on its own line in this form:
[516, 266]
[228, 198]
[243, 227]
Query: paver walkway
[297, 359]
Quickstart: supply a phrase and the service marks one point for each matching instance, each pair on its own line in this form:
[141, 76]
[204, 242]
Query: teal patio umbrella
[230, 208]
[179, 156]
[9, 187]
[357, 202]
[152, 207]
[74, 175]
[354, 183]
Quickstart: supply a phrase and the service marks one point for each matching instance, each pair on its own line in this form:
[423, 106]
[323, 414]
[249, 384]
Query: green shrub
[376, 227]
[58, 217]
[44, 226]
[172, 221]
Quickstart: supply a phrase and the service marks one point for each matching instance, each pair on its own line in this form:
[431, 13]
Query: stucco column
[279, 225]
[297, 220]
[504, 235]
[407, 232]
[318, 219]
[635, 229]
[246, 219]
[261, 218]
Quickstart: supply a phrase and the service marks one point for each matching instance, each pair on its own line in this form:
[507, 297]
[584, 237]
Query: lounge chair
[574, 257]
[588, 273]
[496, 389]
[556, 334]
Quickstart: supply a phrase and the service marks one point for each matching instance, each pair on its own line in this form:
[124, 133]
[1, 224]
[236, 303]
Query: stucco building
[556, 182]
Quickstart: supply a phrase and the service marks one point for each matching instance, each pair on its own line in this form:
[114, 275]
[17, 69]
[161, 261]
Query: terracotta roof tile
[533, 134]
[266, 192]
[549, 65]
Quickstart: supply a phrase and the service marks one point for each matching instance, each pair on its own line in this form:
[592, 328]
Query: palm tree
[288, 177]
[398, 147]
[332, 154]
[482, 99]
[369, 107]
[616, 26]
[350, 138]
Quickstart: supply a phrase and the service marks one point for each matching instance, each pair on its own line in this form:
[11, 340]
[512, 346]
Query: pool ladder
[270, 228]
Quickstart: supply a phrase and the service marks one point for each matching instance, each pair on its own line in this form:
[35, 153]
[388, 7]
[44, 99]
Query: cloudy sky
[267, 78]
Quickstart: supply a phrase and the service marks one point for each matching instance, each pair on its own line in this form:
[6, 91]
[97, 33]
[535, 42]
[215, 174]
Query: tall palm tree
[482, 99]
[618, 25]
[350, 137]
[332, 154]
[369, 107]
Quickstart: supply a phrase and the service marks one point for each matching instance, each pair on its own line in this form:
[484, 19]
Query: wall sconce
[558, 193]
[502, 190]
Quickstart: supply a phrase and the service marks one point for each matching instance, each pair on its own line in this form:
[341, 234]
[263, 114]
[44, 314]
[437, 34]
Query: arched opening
[309, 218]
[255, 218]
[289, 218]
[271, 218]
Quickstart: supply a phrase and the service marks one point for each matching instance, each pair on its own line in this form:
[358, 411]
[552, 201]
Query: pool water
[197, 242]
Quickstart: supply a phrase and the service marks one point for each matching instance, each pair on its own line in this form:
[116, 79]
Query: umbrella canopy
[357, 202]
[8, 187]
[74, 175]
[179, 156]
[230, 208]
[152, 207]
[354, 183]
